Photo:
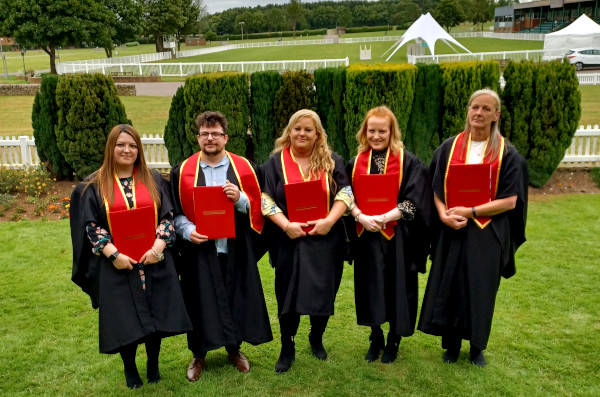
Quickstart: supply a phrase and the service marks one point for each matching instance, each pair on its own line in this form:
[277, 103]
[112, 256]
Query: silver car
[584, 58]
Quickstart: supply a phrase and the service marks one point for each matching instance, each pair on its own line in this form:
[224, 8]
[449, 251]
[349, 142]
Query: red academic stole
[141, 199]
[292, 173]
[456, 157]
[362, 166]
[247, 179]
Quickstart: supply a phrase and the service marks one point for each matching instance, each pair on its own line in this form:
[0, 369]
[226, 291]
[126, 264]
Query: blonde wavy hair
[104, 176]
[493, 146]
[395, 133]
[320, 158]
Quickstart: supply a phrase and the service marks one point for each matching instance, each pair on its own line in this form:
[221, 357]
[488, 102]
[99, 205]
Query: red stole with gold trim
[362, 166]
[458, 156]
[292, 173]
[141, 198]
[246, 177]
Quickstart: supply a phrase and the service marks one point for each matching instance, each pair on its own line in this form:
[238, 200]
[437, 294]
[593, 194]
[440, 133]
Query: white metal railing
[185, 69]
[505, 36]
[21, 152]
[588, 78]
[63, 67]
[533, 55]
[351, 40]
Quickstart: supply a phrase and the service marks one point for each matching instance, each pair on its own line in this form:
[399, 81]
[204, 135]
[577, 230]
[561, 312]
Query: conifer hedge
[554, 118]
[263, 89]
[226, 92]
[88, 108]
[296, 92]
[392, 85]
[178, 147]
[459, 81]
[331, 86]
[518, 101]
[44, 118]
[421, 136]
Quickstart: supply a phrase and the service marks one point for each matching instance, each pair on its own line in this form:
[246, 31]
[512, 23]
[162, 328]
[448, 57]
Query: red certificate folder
[468, 185]
[214, 212]
[305, 201]
[133, 231]
[377, 193]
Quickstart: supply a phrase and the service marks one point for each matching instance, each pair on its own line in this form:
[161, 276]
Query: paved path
[157, 89]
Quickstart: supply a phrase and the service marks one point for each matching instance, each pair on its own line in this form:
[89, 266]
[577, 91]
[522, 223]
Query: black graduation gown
[385, 271]
[222, 315]
[127, 313]
[308, 270]
[467, 263]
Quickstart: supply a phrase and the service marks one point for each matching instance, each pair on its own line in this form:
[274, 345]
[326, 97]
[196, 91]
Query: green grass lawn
[545, 338]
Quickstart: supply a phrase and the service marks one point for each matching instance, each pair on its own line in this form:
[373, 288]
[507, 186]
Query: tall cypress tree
[263, 89]
[297, 92]
[176, 142]
[331, 85]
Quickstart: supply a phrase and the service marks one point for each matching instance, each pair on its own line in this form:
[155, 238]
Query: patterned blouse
[99, 237]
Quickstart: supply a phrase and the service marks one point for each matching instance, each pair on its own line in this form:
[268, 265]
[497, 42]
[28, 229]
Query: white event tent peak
[583, 32]
[426, 28]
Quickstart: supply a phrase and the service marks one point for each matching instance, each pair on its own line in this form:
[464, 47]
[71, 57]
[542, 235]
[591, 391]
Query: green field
[544, 342]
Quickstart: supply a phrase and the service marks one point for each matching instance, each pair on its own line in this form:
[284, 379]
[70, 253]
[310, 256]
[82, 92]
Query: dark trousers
[289, 322]
[194, 337]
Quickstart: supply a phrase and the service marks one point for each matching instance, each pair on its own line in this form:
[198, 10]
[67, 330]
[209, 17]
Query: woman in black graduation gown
[139, 299]
[308, 265]
[474, 246]
[389, 257]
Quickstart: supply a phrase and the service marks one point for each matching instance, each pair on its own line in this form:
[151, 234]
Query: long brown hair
[395, 133]
[493, 146]
[320, 158]
[104, 176]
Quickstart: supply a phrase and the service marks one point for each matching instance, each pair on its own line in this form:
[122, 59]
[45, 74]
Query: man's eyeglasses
[214, 135]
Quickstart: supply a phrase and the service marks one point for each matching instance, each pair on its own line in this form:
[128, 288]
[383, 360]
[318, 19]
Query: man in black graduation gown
[219, 277]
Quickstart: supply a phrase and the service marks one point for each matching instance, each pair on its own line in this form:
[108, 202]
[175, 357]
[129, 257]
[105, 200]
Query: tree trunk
[158, 40]
[108, 52]
[52, 54]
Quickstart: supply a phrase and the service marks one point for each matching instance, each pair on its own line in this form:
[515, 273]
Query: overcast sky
[213, 6]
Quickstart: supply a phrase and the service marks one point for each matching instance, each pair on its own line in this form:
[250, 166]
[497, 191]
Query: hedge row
[540, 111]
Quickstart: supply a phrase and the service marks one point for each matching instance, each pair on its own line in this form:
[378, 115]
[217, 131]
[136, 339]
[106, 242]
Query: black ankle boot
[316, 345]
[377, 344]
[152, 373]
[390, 351]
[133, 379]
[477, 357]
[287, 355]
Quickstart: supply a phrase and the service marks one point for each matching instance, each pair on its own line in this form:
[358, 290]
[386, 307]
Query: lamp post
[3, 58]
[242, 26]
[23, 56]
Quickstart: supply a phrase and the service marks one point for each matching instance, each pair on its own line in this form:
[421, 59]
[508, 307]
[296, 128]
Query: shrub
[518, 100]
[421, 136]
[44, 119]
[178, 147]
[88, 108]
[330, 84]
[132, 44]
[296, 92]
[369, 86]
[262, 92]
[227, 93]
[30, 181]
[554, 118]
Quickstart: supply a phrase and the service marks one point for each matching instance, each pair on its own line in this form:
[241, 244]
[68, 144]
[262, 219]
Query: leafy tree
[163, 18]
[344, 17]
[479, 11]
[126, 22]
[297, 92]
[275, 20]
[88, 108]
[48, 24]
[178, 147]
[405, 11]
[448, 13]
[44, 118]
[210, 36]
[323, 17]
[294, 14]
[193, 10]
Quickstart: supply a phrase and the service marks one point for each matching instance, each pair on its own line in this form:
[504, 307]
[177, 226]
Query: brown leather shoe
[195, 369]
[239, 361]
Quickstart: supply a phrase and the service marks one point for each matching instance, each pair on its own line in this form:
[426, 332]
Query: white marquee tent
[427, 29]
[583, 32]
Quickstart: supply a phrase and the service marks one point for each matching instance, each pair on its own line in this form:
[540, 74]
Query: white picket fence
[21, 152]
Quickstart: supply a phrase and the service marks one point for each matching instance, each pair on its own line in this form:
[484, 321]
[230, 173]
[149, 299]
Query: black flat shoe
[390, 351]
[316, 345]
[133, 380]
[478, 359]
[377, 344]
[450, 356]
